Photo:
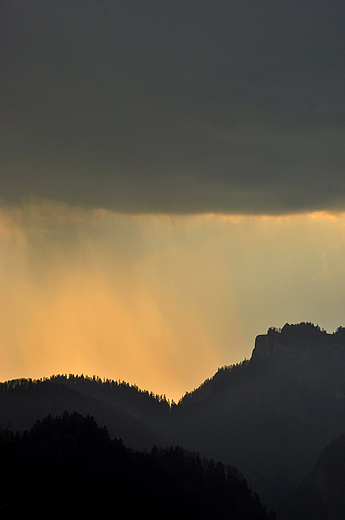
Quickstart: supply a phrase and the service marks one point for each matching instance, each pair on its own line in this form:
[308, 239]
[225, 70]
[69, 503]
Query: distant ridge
[123, 409]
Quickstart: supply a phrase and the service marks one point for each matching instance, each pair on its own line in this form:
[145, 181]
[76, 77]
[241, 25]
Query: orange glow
[158, 301]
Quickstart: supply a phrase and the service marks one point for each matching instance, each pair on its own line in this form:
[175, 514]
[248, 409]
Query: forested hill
[68, 467]
[125, 410]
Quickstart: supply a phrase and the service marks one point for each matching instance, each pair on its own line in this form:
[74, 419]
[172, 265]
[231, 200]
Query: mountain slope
[271, 416]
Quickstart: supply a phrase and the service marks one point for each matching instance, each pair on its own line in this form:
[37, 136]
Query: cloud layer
[174, 107]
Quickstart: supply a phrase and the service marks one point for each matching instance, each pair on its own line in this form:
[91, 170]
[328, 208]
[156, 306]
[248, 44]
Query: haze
[155, 300]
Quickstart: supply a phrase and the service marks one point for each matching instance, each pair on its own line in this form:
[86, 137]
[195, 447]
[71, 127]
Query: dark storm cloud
[175, 107]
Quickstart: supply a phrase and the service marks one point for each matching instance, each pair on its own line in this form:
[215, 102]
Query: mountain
[272, 415]
[69, 467]
[269, 416]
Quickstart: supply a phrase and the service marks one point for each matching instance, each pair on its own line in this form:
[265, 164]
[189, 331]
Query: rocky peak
[267, 345]
[298, 340]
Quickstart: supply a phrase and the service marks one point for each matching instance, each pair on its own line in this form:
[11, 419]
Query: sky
[171, 183]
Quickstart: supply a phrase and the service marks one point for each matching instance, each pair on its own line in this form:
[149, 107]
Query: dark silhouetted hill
[68, 467]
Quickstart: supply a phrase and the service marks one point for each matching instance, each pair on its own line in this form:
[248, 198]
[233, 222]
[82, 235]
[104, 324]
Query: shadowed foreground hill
[68, 467]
